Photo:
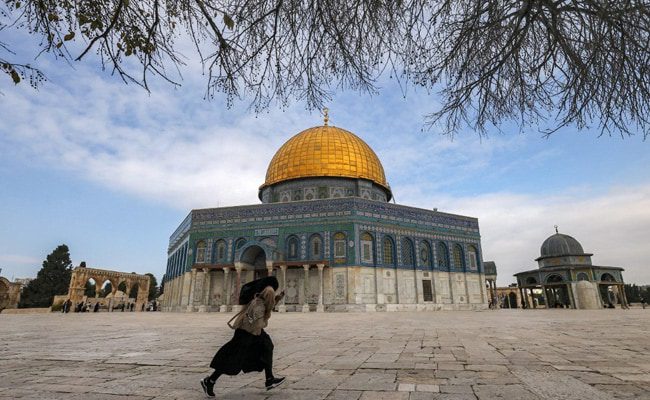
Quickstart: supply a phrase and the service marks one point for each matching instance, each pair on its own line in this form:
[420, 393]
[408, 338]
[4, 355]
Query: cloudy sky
[111, 171]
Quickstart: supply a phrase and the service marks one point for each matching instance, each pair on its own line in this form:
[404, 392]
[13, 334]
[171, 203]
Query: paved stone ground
[506, 354]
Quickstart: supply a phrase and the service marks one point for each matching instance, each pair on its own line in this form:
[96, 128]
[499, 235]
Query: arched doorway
[512, 300]
[608, 290]
[254, 258]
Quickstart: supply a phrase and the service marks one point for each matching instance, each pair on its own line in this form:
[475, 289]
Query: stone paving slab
[505, 354]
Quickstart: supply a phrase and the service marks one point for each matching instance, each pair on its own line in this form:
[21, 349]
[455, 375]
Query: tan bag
[249, 317]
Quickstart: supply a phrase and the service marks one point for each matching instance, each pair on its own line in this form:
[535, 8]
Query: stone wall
[354, 288]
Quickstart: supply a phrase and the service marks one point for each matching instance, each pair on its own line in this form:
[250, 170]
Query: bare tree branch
[546, 63]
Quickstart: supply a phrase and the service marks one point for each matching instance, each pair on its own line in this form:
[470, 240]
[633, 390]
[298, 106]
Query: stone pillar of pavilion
[621, 295]
[532, 298]
[523, 298]
[269, 268]
[320, 307]
[238, 269]
[283, 286]
[305, 305]
[225, 302]
[190, 302]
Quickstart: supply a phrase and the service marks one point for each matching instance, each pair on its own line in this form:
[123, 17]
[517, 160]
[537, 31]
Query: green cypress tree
[53, 279]
[153, 289]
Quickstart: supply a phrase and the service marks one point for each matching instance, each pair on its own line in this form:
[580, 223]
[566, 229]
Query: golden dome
[324, 151]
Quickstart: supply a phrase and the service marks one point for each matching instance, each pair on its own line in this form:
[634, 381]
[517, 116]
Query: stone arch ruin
[81, 275]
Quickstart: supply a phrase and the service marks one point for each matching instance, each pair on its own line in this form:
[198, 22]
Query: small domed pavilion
[568, 279]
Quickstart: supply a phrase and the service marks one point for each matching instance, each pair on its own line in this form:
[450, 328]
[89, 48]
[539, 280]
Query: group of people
[86, 307]
[79, 307]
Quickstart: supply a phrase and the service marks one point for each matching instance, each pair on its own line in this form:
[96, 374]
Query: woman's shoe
[208, 386]
[273, 382]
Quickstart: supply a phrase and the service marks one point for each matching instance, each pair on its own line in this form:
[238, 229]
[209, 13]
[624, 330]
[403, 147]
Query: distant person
[250, 349]
[643, 303]
[66, 306]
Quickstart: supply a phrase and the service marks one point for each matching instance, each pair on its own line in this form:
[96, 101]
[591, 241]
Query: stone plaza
[505, 354]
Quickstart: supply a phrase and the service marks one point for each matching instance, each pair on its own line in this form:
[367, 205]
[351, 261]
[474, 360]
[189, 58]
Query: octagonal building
[327, 230]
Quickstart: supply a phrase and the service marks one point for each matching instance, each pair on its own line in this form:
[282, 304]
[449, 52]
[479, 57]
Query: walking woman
[250, 349]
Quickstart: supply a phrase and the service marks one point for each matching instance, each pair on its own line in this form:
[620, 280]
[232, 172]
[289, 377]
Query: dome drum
[322, 188]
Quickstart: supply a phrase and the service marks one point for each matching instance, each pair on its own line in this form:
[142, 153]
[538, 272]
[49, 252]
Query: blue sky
[111, 171]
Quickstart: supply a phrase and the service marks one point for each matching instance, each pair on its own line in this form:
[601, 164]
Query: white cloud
[614, 225]
[154, 146]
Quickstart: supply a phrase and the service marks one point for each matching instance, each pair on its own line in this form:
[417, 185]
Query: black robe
[245, 352]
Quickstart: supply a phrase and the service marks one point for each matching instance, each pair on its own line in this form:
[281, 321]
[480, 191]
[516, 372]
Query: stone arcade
[326, 229]
[81, 275]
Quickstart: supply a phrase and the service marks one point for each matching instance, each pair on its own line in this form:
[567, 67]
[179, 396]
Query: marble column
[238, 269]
[320, 307]
[621, 295]
[190, 302]
[283, 285]
[532, 298]
[225, 296]
[305, 305]
[206, 291]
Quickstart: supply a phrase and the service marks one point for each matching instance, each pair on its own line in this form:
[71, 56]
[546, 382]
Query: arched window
[425, 254]
[607, 278]
[239, 243]
[443, 256]
[316, 247]
[200, 252]
[388, 251]
[292, 248]
[339, 245]
[366, 248]
[459, 260]
[407, 252]
[582, 276]
[472, 253]
[554, 279]
[221, 251]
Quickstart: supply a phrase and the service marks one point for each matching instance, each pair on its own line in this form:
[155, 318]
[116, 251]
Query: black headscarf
[248, 291]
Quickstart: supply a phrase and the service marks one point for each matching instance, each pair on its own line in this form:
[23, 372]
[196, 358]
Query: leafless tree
[539, 62]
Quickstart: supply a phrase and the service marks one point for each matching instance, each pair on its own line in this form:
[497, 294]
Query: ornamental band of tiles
[327, 230]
